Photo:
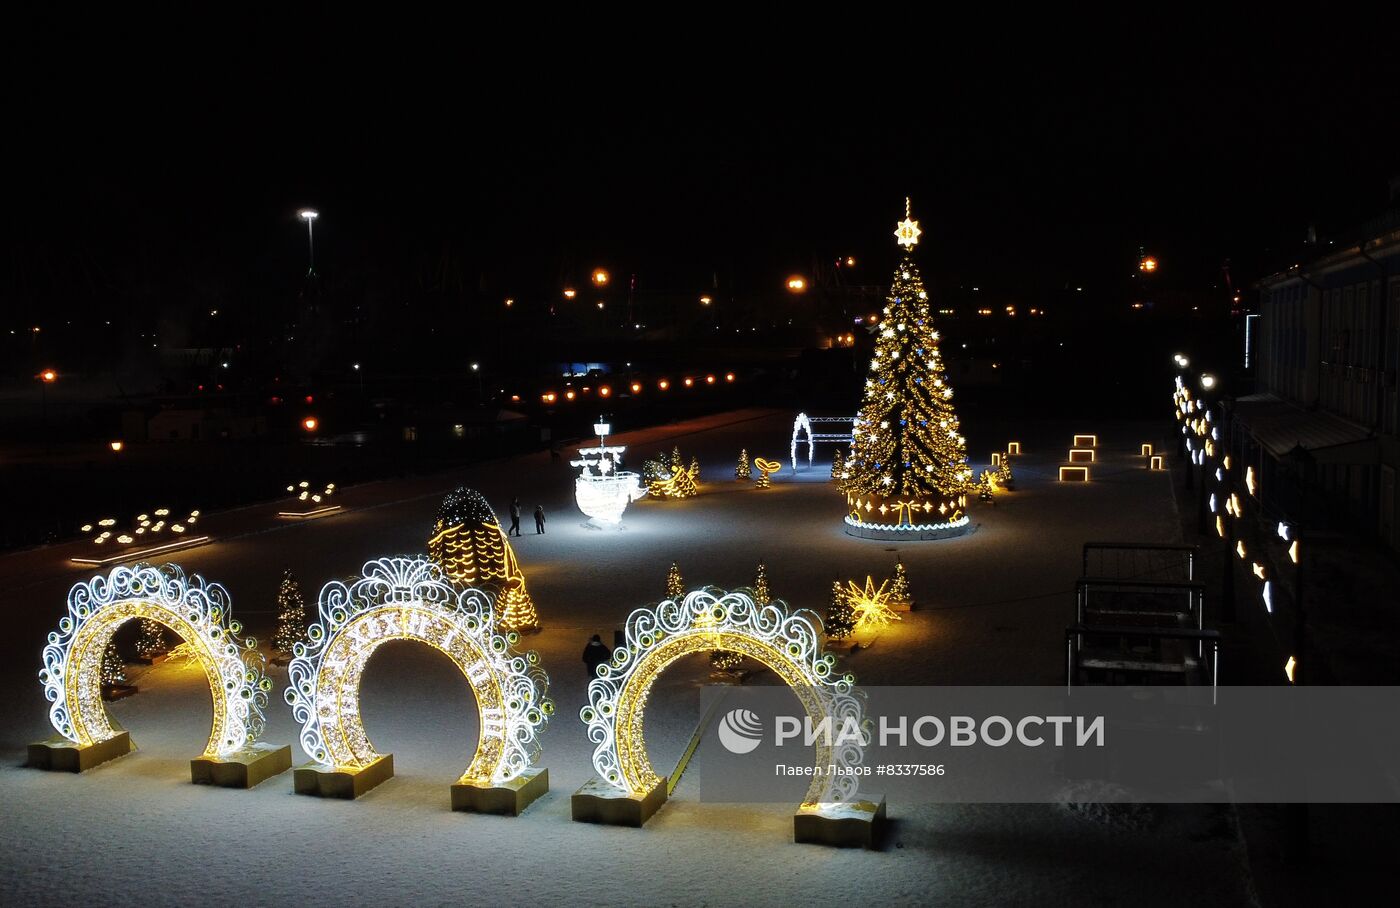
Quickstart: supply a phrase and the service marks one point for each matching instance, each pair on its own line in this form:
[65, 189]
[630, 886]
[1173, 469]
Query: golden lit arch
[195, 610]
[411, 599]
[787, 642]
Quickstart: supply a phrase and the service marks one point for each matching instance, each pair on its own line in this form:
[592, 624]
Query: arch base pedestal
[58, 754]
[854, 824]
[243, 769]
[342, 782]
[509, 798]
[599, 802]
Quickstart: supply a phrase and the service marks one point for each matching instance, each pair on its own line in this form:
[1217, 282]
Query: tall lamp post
[309, 215]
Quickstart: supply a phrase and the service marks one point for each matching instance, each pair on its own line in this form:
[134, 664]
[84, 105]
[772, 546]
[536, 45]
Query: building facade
[1321, 427]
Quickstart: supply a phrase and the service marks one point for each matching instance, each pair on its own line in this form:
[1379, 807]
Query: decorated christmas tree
[291, 616]
[113, 669]
[761, 594]
[742, 469]
[899, 586]
[676, 463]
[151, 642]
[840, 617]
[694, 468]
[908, 461]
[1003, 473]
[838, 467]
[675, 586]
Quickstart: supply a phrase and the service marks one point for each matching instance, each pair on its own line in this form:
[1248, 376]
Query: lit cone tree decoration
[113, 670]
[470, 547]
[675, 586]
[899, 586]
[151, 642]
[291, 616]
[908, 460]
[1003, 473]
[838, 467]
[742, 470]
[761, 594]
[840, 620]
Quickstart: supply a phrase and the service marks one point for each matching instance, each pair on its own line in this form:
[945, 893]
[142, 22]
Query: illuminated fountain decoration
[788, 643]
[603, 490]
[196, 611]
[412, 599]
[468, 544]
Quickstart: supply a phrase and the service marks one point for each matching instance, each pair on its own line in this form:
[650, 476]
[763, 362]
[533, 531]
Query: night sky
[1028, 170]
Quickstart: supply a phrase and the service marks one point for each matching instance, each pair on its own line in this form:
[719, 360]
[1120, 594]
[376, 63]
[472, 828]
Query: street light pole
[309, 215]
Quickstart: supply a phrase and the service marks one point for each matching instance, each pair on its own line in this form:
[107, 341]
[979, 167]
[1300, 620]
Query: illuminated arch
[802, 424]
[196, 610]
[411, 599]
[789, 643]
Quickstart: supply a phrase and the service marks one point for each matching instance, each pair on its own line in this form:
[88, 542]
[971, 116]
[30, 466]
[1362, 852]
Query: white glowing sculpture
[411, 599]
[195, 610]
[789, 643]
[602, 491]
[803, 425]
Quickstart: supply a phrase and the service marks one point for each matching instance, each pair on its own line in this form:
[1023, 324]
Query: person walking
[594, 655]
[514, 518]
[539, 520]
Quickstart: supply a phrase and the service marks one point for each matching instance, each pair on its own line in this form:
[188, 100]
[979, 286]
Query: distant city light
[796, 284]
[705, 300]
[570, 293]
[308, 214]
[310, 423]
[600, 277]
[116, 446]
[1148, 264]
[48, 376]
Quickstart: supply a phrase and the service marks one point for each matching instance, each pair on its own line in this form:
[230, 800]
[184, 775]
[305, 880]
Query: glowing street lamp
[600, 277]
[1207, 381]
[570, 293]
[310, 423]
[1147, 265]
[309, 215]
[796, 284]
[706, 300]
[48, 376]
[117, 446]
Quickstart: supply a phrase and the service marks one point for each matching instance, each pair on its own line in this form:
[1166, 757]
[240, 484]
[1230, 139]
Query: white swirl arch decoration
[194, 609]
[411, 599]
[787, 642]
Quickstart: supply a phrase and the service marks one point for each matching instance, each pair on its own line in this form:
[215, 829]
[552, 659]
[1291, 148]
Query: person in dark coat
[539, 520]
[514, 518]
[594, 655]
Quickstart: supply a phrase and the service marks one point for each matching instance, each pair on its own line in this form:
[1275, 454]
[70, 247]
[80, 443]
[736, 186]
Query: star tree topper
[907, 231]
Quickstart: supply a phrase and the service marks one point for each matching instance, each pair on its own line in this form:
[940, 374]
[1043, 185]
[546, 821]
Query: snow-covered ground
[992, 609]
